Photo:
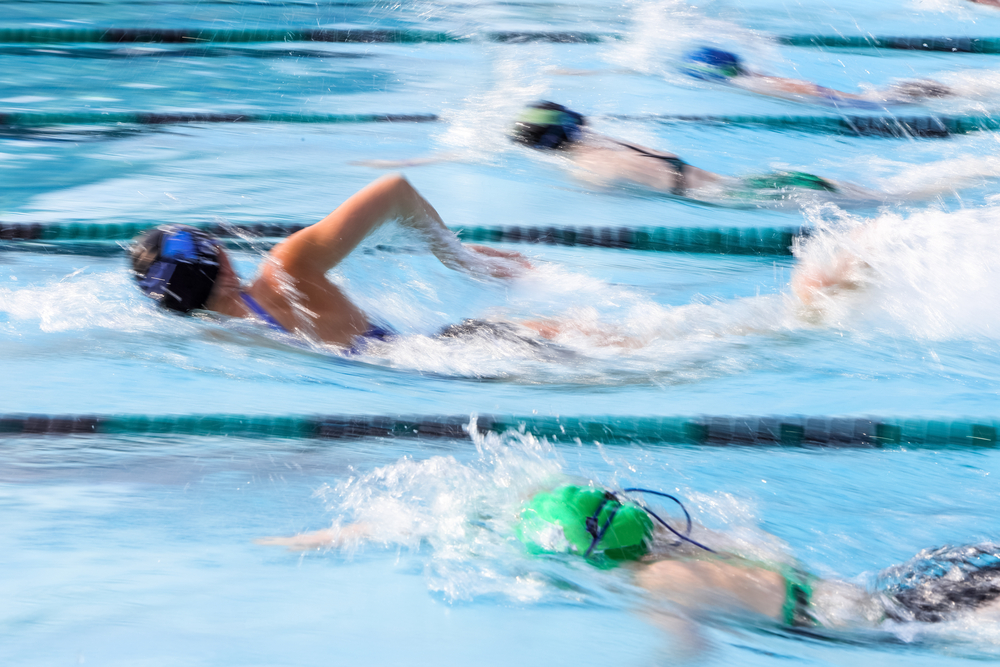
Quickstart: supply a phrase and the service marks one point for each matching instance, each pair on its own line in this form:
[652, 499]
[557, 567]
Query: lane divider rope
[238, 36]
[100, 240]
[876, 126]
[32, 119]
[836, 432]
[984, 45]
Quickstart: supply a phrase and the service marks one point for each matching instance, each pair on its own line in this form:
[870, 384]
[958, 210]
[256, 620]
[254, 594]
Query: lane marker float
[801, 431]
[923, 127]
[105, 240]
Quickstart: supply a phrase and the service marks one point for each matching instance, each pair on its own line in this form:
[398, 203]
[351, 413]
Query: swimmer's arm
[435, 158]
[319, 247]
[328, 538]
[780, 86]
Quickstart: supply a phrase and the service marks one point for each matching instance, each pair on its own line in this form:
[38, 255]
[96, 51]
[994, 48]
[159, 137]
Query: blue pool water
[140, 550]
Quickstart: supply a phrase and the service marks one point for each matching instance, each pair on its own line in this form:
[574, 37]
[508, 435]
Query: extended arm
[327, 538]
[318, 248]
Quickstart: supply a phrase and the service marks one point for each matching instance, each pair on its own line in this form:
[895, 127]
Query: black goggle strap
[687, 531]
[598, 534]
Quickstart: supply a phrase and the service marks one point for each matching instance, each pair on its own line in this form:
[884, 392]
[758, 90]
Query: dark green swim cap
[557, 521]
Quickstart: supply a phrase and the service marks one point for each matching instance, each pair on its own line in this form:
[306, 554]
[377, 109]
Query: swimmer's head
[176, 265]
[712, 64]
[587, 521]
[547, 125]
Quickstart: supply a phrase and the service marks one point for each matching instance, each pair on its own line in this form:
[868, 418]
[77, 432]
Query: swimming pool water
[125, 550]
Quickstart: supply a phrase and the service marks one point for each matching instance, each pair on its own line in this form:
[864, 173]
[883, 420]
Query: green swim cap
[557, 521]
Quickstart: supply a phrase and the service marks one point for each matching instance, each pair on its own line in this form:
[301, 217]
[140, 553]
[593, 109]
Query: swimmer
[718, 66]
[549, 126]
[184, 269]
[618, 528]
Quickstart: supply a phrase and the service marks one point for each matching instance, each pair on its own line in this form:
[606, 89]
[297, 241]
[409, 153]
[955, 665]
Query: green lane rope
[104, 239]
[17, 119]
[876, 126]
[836, 432]
[238, 36]
[989, 45]
[986, 45]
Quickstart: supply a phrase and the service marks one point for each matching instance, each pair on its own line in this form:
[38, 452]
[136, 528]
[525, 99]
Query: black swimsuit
[679, 165]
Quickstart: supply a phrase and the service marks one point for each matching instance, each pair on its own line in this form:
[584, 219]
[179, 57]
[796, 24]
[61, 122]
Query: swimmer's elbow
[396, 181]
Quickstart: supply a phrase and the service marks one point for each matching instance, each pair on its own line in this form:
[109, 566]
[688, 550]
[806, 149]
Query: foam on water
[79, 300]
[973, 90]
[927, 274]
[458, 517]
[478, 129]
[663, 30]
[609, 334]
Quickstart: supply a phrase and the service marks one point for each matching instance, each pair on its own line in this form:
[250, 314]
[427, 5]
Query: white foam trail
[478, 129]
[944, 177]
[610, 334]
[961, 10]
[663, 30]
[464, 511]
[974, 91]
[79, 300]
[927, 275]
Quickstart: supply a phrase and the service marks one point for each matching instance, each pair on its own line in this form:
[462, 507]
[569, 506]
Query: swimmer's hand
[501, 263]
[811, 281]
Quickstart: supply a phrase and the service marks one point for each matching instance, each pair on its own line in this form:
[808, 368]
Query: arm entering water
[318, 248]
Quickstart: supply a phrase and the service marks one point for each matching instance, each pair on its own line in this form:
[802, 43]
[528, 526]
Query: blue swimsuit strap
[259, 311]
[375, 332]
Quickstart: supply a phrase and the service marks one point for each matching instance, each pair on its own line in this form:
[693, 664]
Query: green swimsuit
[798, 598]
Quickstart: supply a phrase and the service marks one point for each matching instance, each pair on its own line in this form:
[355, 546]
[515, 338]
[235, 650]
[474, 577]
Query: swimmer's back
[712, 582]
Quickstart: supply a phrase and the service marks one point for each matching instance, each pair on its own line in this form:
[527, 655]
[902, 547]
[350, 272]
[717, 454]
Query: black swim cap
[176, 265]
[547, 125]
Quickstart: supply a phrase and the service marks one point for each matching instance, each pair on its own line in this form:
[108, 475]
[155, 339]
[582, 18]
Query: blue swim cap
[712, 64]
[176, 265]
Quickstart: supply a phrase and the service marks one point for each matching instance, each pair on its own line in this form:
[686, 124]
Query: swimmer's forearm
[328, 538]
[779, 86]
[320, 247]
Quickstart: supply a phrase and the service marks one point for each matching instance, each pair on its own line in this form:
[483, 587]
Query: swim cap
[781, 180]
[176, 265]
[547, 125]
[585, 521]
[712, 64]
